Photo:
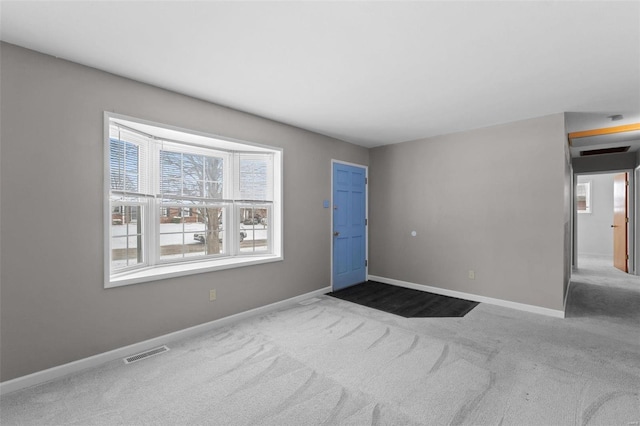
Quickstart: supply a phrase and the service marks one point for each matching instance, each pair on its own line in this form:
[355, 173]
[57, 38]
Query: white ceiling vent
[145, 354]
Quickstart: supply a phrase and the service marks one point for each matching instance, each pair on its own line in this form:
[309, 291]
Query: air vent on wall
[605, 151]
[145, 354]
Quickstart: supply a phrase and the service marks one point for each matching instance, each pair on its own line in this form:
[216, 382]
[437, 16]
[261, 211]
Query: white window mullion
[270, 228]
[230, 230]
[234, 177]
[230, 190]
[234, 240]
[153, 218]
[153, 230]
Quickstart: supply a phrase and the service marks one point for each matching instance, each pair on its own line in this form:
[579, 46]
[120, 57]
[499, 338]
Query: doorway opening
[604, 225]
[600, 287]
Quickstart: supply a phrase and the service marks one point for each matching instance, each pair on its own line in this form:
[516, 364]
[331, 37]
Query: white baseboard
[468, 296]
[99, 359]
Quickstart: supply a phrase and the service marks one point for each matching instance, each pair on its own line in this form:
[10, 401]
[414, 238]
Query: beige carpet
[333, 362]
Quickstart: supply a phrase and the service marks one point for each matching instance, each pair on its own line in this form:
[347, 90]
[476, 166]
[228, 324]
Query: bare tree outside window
[192, 180]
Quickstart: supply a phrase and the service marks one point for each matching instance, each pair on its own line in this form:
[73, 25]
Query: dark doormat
[405, 302]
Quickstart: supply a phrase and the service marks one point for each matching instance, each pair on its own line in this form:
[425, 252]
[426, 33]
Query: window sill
[162, 272]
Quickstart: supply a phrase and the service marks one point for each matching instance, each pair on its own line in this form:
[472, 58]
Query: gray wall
[594, 229]
[54, 308]
[491, 200]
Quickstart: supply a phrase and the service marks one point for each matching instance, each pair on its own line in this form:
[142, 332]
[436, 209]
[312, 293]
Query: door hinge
[366, 263]
[627, 220]
[627, 257]
[366, 222]
[366, 181]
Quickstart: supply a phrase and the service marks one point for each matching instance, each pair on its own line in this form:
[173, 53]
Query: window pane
[254, 229]
[126, 237]
[254, 171]
[192, 175]
[213, 172]
[171, 173]
[192, 187]
[213, 190]
[123, 165]
[195, 249]
[214, 238]
[196, 233]
[171, 246]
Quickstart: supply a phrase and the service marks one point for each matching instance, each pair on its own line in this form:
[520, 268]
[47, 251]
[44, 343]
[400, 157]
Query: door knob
[336, 233]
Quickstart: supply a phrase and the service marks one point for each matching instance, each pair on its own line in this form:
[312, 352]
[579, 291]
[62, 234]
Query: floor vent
[145, 354]
[310, 301]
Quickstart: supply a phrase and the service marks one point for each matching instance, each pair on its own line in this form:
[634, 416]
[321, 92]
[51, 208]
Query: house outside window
[183, 203]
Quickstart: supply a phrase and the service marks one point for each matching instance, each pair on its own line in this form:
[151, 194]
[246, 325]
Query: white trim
[366, 216]
[632, 204]
[476, 298]
[134, 122]
[346, 163]
[331, 229]
[99, 359]
[106, 205]
[182, 269]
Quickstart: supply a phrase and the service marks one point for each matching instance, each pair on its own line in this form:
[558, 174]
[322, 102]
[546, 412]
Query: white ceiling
[371, 73]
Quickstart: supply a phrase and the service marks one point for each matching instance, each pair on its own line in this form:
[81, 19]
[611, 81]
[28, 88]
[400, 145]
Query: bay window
[182, 202]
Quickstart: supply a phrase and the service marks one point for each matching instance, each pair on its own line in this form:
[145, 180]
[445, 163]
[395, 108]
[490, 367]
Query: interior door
[620, 221]
[349, 225]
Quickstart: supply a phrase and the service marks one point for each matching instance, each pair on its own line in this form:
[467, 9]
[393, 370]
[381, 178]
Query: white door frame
[632, 229]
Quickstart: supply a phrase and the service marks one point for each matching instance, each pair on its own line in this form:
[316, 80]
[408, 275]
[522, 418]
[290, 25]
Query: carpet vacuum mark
[405, 302]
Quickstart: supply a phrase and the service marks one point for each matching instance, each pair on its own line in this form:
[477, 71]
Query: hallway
[605, 296]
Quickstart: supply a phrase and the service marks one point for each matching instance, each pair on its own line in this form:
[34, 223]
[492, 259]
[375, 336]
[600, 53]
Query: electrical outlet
[472, 274]
[212, 295]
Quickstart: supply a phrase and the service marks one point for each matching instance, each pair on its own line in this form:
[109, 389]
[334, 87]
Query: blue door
[349, 225]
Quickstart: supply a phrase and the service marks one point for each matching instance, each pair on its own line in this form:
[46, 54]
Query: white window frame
[153, 268]
[588, 203]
